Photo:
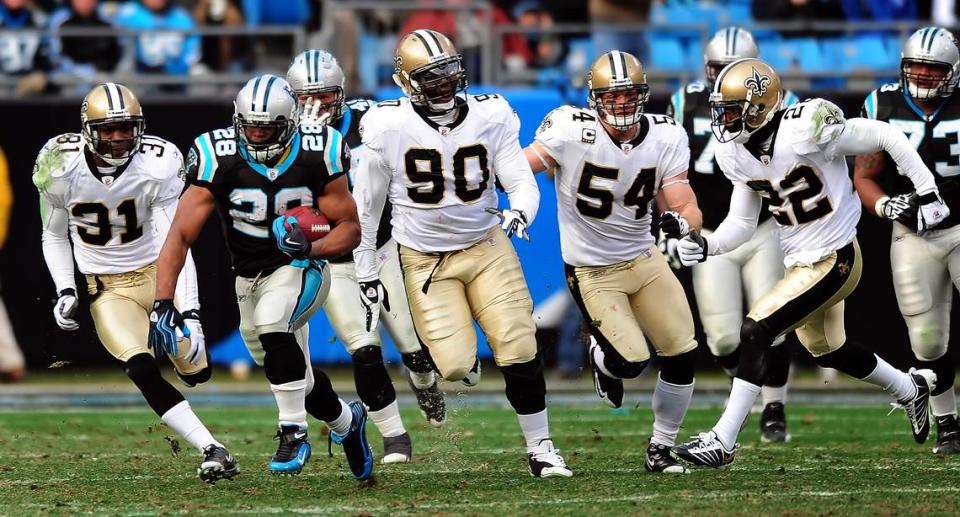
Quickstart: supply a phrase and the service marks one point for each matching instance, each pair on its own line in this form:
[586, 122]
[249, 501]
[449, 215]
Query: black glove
[164, 322]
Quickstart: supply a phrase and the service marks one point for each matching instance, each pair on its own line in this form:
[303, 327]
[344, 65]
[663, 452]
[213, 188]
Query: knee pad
[195, 379]
[851, 359]
[946, 373]
[145, 374]
[755, 339]
[418, 362]
[677, 369]
[371, 378]
[525, 387]
[283, 359]
[617, 365]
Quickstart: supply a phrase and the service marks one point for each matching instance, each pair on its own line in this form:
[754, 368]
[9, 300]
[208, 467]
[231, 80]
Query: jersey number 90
[425, 167]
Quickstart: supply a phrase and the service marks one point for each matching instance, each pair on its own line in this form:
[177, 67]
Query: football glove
[668, 247]
[198, 345]
[514, 222]
[902, 208]
[311, 113]
[165, 323]
[932, 211]
[673, 225]
[692, 249]
[292, 242]
[65, 308]
[372, 296]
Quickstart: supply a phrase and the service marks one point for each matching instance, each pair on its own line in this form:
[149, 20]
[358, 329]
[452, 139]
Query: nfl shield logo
[765, 159]
[272, 174]
[108, 180]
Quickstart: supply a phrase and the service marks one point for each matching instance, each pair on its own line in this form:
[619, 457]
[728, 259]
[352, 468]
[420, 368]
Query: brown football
[314, 224]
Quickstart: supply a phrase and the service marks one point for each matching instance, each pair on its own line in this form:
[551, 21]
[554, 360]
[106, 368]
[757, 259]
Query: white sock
[770, 394]
[535, 428]
[893, 381]
[423, 381]
[290, 401]
[742, 396]
[181, 419]
[944, 403]
[388, 420]
[670, 403]
[341, 425]
[598, 360]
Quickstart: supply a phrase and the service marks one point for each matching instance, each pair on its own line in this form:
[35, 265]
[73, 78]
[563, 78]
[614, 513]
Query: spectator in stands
[171, 53]
[22, 54]
[223, 53]
[82, 55]
[609, 18]
[545, 50]
[12, 365]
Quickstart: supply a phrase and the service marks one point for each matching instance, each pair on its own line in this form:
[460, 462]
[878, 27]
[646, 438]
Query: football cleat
[397, 449]
[918, 407]
[217, 464]
[293, 451]
[706, 451]
[355, 446]
[773, 424]
[948, 435]
[545, 461]
[473, 376]
[609, 389]
[431, 402]
[659, 459]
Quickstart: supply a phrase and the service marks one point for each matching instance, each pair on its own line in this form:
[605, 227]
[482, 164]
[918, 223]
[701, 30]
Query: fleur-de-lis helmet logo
[757, 83]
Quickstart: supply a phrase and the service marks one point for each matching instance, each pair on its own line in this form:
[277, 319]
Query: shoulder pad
[203, 159]
[567, 122]
[382, 117]
[361, 104]
[493, 106]
[809, 120]
[161, 159]
[665, 129]
[695, 87]
[56, 158]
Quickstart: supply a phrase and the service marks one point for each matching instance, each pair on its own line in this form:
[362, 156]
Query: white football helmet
[314, 72]
[726, 46]
[266, 101]
[930, 46]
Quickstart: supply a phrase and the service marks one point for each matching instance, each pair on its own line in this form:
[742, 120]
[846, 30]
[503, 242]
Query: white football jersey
[604, 189]
[110, 216]
[442, 178]
[807, 184]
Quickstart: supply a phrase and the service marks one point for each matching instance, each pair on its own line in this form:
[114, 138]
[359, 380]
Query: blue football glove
[292, 242]
[165, 322]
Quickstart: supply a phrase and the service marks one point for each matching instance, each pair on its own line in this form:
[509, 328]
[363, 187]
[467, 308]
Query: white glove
[311, 113]
[372, 294]
[673, 225]
[897, 208]
[198, 345]
[65, 308]
[932, 211]
[668, 247]
[514, 222]
[692, 249]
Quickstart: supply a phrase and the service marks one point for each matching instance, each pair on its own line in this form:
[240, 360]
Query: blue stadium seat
[666, 53]
[782, 55]
[810, 56]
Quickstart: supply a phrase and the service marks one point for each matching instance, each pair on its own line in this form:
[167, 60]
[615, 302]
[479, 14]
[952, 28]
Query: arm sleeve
[372, 179]
[188, 290]
[740, 223]
[865, 136]
[57, 252]
[514, 173]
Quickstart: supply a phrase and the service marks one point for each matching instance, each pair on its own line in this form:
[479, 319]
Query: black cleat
[431, 402]
[659, 459]
[217, 464]
[473, 376]
[397, 449]
[609, 389]
[355, 447]
[948, 435]
[545, 461]
[706, 451]
[773, 424]
[918, 407]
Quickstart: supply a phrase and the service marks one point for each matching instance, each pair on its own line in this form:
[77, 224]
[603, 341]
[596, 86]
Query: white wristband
[878, 207]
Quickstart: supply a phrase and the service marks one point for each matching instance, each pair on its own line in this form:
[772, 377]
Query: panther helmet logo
[757, 83]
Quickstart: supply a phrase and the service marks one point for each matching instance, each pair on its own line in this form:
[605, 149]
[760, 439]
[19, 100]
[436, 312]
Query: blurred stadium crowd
[209, 47]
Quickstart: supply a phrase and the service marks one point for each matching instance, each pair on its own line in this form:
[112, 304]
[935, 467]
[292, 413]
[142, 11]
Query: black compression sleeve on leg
[778, 366]
[283, 359]
[418, 362]
[731, 361]
[159, 394]
[755, 339]
[851, 359]
[525, 387]
[945, 370]
[677, 369]
[371, 378]
[322, 402]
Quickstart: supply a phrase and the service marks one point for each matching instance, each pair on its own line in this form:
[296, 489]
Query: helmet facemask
[731, 120]
[270, 144]
[922, 85]
[712, 69]
[114, 151]
[620, 106]
[437, 84]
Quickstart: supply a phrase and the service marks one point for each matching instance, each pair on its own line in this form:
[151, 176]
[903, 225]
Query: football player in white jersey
[317, 79]
[923, 105]
[436, 155]
[796, 159]
[611, 162]
[723, 284]
[112, 192]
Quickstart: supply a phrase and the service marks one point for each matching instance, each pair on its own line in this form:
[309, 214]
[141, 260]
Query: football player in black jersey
[923, 105]
[253, 173]
[317, 80]
[750, 270]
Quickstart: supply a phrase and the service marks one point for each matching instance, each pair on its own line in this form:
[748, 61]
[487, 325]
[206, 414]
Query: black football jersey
[349, 126]
[936, 138]
[690, 106]
[250, 195]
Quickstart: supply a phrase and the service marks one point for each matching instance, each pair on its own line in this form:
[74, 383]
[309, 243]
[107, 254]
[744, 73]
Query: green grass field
[842, 461]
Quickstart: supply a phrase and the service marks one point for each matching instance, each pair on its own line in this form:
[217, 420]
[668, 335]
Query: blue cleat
[355, 446]
[293, 452]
